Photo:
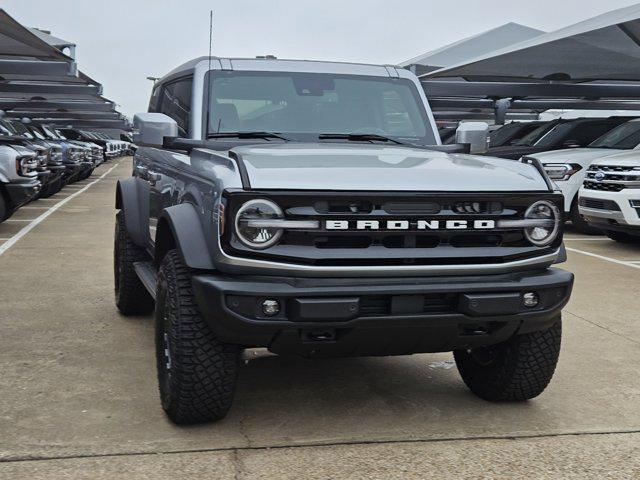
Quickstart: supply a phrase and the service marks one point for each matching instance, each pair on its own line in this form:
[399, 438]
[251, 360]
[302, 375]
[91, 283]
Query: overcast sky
[120, 42]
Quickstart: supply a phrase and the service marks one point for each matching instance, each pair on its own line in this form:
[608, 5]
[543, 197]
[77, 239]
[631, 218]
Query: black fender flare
[179, 227]
[133, 200]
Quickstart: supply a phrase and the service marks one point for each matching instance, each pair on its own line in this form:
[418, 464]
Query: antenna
[209, 71]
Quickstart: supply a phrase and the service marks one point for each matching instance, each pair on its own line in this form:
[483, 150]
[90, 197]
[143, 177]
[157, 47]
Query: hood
[356, 167]
[581, 156]
[24, 151]
[630, 158]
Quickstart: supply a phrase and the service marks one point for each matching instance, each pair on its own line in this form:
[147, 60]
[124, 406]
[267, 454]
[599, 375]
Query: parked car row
[566, 149]
[37, 160]
[609, 198]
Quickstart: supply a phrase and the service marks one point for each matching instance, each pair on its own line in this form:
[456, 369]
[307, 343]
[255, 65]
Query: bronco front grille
[388, 247]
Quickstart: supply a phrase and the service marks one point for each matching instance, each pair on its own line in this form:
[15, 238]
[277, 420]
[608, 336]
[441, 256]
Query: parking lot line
[587, 239]
[607, 259]
[33, 223]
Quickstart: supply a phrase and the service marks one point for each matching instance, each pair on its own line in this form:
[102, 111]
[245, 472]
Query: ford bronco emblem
[410, 225]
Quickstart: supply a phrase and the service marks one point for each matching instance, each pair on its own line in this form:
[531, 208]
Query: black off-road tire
[516, 370]
[580, 225]
[5, 210]
[623, 237]
[132, 298]
[197, 373]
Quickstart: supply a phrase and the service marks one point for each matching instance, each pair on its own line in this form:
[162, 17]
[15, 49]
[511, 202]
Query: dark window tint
[175, 102]
[625, 136]
[580, 133]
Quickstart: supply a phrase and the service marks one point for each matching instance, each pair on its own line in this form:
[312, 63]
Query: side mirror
[475, 134]
[151, 128]
[571, 144]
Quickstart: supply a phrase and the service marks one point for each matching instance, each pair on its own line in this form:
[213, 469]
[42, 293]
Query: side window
[588, 133]
[175, 101]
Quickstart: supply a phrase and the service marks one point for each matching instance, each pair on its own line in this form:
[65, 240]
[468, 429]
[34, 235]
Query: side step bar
[147, 275]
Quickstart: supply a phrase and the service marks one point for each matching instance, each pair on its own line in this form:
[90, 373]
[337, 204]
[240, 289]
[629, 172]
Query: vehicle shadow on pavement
[302, 400]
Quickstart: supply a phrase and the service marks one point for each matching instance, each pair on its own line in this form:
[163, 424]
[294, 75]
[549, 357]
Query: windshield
[60, 135]
[50, 133]
[19, 129]
[4, 129]
[500, 136]
[624, 137]
[37, 134]
[532, 137]
[304, 105]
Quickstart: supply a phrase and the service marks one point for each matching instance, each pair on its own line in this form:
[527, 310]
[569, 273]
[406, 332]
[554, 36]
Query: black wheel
[516, 370]
[132, 298]
[580, 225]
[44, 192]
[5, 211]
[196, 372]
[622, 237]
[57, 186]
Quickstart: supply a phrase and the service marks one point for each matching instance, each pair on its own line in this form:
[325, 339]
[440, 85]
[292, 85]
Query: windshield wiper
[361, 137]
[243, 135]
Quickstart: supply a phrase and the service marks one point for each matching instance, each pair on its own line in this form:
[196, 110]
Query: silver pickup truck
[18, 177]
[309, 208]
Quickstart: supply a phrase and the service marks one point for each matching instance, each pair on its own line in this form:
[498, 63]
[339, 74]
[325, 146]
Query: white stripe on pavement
[587, 239]
[16, 238]
[602, 257]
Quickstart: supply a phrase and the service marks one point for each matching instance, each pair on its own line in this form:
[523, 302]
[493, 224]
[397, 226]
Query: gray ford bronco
[309, 208]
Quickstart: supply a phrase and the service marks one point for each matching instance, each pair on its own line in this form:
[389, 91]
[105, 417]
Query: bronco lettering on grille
[409, 225]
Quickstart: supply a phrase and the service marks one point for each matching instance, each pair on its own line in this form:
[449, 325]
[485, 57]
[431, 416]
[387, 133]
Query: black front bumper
[22, 192]
[379, 316]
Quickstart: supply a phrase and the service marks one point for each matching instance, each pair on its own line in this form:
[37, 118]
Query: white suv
[568, 168]
[610, 197]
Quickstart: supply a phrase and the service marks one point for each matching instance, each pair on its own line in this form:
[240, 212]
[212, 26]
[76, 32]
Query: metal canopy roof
[18, 42]
[37, 80]
[471, 47]
[606, 47]
[594, 64]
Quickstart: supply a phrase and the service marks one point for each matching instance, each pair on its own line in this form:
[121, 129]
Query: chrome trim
[278, 268]
[608, 214]
[285, 224]
[615, 182]
[526, 223]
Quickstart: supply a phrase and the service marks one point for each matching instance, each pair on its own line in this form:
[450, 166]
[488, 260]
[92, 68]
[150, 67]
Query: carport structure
[594, 64]
[38, 81]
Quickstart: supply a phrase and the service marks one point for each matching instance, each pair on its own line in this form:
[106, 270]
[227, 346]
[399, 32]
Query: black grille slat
[604, 187]
[373, 306]
[380, 305]
[610, 168]
[599, 204]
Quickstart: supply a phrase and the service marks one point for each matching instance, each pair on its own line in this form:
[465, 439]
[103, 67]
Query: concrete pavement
[79, 396]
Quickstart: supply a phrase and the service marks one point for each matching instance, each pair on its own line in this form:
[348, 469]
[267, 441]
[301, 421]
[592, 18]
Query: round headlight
[249, 228]
[546, 230]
